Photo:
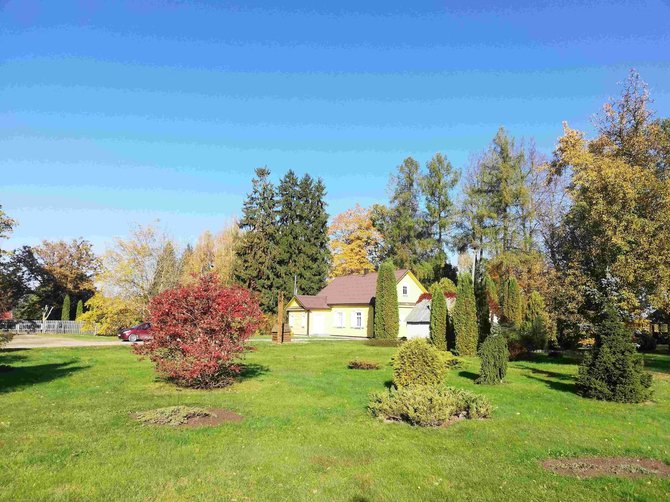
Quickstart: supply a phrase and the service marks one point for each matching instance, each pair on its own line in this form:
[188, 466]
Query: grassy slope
[65, 433]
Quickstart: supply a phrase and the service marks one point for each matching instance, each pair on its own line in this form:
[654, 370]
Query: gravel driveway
[47, 341]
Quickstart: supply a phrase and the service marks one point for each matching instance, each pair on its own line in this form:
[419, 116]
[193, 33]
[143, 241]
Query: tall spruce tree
[465, 317]
[386, 318]
[438, 318]
[436, 186]
[257, 248]
[80, 310]
[400, 223]
[316, 256]
[65, 312]
[613, 371]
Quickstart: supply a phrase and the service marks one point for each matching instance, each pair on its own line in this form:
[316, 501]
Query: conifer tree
[511, 303]
[317, 257]
[386, 319]
[438, 318]
[257, 248]
[613, 371]
[482, 301]
[80, 310]
[465, 317]
[166, 274]
[65, 312]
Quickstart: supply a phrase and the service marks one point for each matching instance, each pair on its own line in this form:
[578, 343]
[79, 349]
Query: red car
[141, 332]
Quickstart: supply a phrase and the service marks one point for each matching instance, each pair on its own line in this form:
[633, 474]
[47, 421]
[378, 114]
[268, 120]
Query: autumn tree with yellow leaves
[354, 242]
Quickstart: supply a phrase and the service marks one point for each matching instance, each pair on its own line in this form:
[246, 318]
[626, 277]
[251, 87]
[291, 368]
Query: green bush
[612, 370]
[380, 342]
[80, 310]
[465, 317]
[511, 303]
[386, 322]
[418, 363]
[494, 355]
[65, 311]
[428, 405]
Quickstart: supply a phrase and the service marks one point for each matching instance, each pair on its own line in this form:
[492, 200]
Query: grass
[66, 432]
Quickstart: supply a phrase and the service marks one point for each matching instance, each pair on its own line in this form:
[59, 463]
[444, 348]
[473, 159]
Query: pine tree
[438, 318]
[465, 317]
[80, 310]
[183, 269]
[65, 313]
[257, 249]
[317, 257]
[386, 319]
[613, 371]
[291, 232]
[511, 303]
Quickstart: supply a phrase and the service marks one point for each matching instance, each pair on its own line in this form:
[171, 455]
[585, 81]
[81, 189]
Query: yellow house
[344, 306]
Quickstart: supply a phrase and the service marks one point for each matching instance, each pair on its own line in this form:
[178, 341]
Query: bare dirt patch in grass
[621, 467]
[186, 416]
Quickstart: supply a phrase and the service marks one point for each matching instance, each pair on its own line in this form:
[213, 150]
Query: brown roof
[347, 289]
[312, 302]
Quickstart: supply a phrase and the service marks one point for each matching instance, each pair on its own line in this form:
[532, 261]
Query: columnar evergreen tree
[438, 318]
[257, 249]
[613, 371]
[65, 312]
[536, 324]
[482, 301]
[465, 317]
[80, 310]
[386, 319]
[511, 303]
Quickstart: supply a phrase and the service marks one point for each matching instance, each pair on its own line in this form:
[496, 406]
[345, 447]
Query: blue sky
[116, 113]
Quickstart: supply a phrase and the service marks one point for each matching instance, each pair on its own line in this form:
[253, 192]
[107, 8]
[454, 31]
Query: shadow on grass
[468, 374]
[657, 362]
[252, 371]
[23, 376]
[565, 383]
[9, 356]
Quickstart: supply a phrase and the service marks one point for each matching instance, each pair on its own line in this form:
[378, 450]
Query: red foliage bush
[199, 332]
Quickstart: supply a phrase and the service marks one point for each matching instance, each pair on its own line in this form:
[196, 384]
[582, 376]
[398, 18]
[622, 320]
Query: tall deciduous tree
[354, 242]
[465, 316]
[386, 318]
[438, 318]
[257, 249]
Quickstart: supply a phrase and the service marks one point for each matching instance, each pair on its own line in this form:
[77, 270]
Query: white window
[303, 316]
[359, 320]
[404, 290]
[339, 319]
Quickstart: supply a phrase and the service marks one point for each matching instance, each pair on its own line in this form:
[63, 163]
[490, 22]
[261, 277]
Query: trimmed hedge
[360, 364]
[428, 405]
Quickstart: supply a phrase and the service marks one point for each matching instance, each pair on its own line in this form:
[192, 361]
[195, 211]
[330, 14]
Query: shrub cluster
[361, 364]
[494, 355]
[199, 332]
[612, 370]
[428, 405]
[418, 363]
[381, 342]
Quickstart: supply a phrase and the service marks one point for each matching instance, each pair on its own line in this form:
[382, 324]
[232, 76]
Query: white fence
[63, 327]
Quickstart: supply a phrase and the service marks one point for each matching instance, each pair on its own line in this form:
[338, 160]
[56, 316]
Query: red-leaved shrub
[199, 332]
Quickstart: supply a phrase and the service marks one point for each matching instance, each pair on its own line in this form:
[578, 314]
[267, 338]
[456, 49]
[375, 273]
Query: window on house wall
[339, 319]
[404, 290]
[359, 320]
[303, 317]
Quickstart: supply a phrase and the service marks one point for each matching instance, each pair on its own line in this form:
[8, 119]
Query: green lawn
[66, 434]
